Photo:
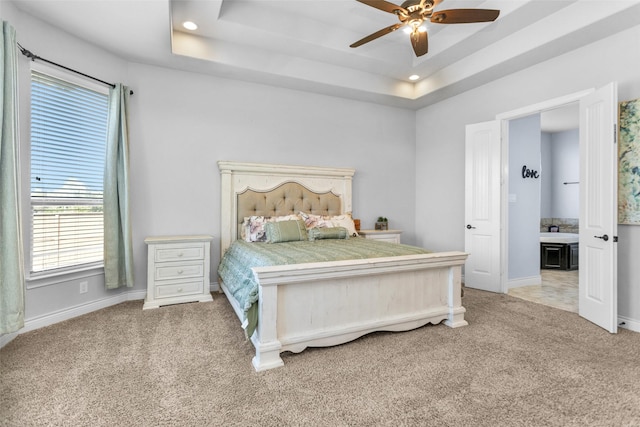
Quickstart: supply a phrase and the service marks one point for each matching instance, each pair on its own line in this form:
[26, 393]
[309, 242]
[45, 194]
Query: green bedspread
[235, 267]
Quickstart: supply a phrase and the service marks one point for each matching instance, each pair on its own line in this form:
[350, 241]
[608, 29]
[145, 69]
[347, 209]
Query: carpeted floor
[516, 364]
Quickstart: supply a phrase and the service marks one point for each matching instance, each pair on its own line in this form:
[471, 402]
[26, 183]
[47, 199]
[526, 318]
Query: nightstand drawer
[179, 253]
[181, 270]
[178, 269]
[188, 287]
[391, 236]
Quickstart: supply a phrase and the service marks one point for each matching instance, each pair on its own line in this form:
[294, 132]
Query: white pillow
[315, 221]
[345, 221]
[323, 221]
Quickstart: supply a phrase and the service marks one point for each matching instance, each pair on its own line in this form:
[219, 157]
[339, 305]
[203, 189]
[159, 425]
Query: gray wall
[524, 198]
[182, 123]
[546, 170]
[440, 142]
[565, 167]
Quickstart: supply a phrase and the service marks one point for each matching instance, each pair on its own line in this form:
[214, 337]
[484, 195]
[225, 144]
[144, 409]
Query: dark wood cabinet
[560, 256]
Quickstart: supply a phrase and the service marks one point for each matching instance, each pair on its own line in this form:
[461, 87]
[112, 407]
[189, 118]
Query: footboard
[330, 303]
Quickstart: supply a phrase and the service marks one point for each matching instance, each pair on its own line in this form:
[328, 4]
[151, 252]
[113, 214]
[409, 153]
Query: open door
[482, 206]
[598, 257]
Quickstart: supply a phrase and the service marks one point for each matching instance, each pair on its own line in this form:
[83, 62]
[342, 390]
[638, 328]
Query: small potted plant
[382, 223]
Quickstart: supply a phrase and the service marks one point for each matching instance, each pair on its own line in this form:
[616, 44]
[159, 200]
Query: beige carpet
[516, 364]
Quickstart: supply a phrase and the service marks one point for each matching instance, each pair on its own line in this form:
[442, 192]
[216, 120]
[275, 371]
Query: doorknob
[605, 237]
[469, 227]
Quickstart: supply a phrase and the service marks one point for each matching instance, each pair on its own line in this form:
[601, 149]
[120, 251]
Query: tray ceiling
[304, 44]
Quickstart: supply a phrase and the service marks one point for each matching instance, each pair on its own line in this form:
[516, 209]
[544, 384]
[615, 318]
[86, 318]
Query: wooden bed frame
[330, 303]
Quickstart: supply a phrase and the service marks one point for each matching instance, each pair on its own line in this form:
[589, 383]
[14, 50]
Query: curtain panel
[12, 285]
[118, 248]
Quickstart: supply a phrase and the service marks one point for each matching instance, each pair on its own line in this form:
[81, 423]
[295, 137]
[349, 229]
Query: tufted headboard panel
[286, 199]
[249, 189]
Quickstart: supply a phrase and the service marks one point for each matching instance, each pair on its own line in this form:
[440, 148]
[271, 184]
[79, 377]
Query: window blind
[68, 137]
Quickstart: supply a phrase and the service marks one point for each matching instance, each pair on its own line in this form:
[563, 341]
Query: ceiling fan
[414, 12]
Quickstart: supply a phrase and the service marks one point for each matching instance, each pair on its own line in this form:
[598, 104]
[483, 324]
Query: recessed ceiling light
[190, 25]
[414, 77]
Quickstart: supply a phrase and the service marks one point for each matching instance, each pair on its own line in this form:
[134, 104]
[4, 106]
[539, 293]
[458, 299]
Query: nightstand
[392, 236]
[177, 270]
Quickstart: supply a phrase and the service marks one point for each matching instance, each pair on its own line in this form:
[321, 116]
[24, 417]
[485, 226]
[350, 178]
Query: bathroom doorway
[552, 277]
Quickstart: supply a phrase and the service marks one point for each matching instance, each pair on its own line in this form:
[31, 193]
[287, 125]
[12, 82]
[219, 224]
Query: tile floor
[558, 289]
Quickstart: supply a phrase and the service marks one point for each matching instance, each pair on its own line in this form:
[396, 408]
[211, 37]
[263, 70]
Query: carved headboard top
[269, 189]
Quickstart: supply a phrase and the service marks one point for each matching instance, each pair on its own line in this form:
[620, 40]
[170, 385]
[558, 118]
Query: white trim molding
[630, 324]
[524, 281]
[75, 311]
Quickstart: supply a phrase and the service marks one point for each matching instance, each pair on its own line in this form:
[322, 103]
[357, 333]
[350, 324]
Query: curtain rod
[33, 57]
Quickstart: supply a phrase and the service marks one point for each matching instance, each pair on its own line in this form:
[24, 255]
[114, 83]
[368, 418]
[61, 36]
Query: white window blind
[68, 137]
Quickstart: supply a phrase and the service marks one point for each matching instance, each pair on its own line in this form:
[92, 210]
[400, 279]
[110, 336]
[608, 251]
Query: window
[68, 138]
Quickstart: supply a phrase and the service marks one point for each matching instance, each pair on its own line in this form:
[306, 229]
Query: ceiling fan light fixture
[189, 25]
[412, 14]
[409, 30]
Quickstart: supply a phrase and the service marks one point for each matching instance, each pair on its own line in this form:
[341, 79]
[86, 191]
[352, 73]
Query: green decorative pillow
[285, 231]
[328, 233]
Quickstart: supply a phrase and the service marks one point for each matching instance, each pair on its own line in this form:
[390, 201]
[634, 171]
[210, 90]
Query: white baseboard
[214, 287]
[630, 324]
[7, 338]
[524, 281]
[79, 310]
[71, 312]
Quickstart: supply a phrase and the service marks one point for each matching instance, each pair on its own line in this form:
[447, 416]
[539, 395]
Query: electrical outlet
[84, 287]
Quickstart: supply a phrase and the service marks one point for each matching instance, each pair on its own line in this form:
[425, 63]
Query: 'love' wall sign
[529, 173]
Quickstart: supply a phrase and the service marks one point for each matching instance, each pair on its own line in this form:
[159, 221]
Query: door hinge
[615, 239]
[615, 133]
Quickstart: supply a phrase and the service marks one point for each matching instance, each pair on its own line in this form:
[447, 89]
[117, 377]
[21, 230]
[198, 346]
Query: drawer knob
[180, 271]
[179, 289]
[180, 254]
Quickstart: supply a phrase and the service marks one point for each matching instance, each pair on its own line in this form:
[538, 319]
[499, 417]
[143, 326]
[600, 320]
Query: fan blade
[385, 6]
[420, 42]
[377, 34]
[464, 16]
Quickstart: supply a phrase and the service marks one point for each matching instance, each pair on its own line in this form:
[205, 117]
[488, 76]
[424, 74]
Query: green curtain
[118, 249]
[11, 265]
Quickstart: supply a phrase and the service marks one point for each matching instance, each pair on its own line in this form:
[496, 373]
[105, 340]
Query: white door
[598, 257]
[482, 206]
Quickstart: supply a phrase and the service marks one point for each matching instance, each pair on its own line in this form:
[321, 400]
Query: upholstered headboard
[286, 199]
[249, 189]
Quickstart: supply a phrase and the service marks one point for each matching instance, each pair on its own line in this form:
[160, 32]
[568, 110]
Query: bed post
[456, 310]
[265, 338]
[227, 209]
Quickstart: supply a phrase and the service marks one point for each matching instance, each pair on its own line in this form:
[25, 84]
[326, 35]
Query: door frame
[504, 119]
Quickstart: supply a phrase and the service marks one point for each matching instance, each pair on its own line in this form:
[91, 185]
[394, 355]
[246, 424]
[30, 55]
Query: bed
[318, 304]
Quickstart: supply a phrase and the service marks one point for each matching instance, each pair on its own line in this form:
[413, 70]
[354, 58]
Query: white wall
[182, 123]
[440, 142]
[524, 200]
